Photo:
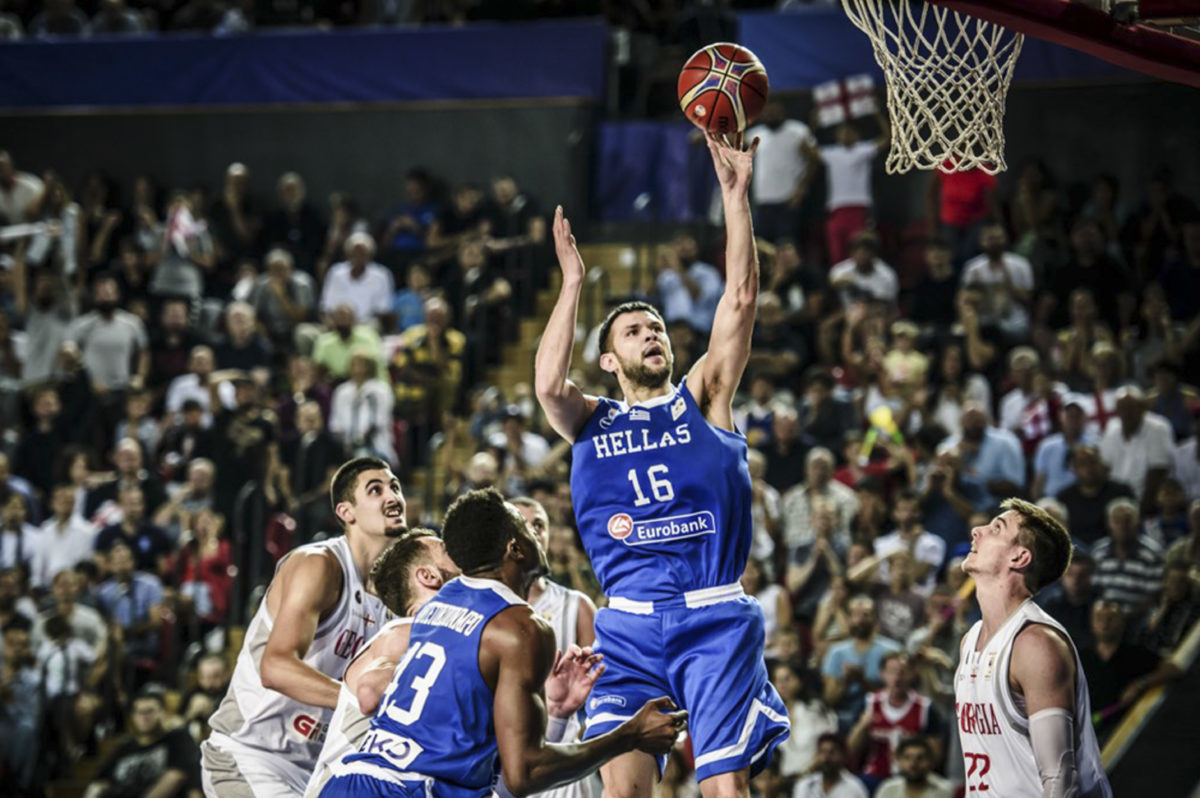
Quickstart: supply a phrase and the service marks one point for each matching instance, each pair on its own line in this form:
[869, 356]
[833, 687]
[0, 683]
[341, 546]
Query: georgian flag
[844, 99]
[181, 226]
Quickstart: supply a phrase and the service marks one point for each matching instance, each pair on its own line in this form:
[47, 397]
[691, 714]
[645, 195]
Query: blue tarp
[807, 46]
[542, 60]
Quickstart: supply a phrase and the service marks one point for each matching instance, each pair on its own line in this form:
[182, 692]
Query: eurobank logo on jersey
[659, 530]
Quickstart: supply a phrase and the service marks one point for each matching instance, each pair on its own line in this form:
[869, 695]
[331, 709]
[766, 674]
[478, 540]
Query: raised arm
[306, 586]
[567, 409]
[520, 648]
[720, 369]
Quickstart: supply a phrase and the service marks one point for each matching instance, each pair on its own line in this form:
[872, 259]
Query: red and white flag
[844, 99]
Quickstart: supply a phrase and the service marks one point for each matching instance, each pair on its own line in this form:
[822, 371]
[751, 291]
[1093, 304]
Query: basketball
[722, 88]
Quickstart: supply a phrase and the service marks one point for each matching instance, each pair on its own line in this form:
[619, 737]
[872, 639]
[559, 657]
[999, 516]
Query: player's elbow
[272, 671]
[368, 697]
[519, 779]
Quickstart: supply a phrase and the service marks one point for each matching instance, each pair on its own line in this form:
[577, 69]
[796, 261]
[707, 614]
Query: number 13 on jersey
[660, 486]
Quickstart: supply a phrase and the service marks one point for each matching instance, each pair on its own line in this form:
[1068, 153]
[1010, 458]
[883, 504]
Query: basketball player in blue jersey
[470, 685]
[661, 488]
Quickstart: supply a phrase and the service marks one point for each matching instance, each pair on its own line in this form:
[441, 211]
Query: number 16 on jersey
[660, 486]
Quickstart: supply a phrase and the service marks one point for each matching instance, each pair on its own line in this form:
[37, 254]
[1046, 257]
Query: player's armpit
[1043, 669]
[306, 586]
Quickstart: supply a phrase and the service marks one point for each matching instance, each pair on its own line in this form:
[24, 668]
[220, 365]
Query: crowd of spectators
[175, 366]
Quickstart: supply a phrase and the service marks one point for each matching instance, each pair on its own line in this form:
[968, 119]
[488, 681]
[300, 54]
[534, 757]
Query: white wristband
[556, 728]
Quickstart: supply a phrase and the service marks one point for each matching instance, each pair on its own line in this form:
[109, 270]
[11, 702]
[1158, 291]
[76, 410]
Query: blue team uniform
[434, 735]
[663, 499]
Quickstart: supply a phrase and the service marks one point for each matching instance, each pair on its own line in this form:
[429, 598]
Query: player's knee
[727, 785]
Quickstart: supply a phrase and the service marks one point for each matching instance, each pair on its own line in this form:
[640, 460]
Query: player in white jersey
[317, 613]
[1020, 694]
[572, 615]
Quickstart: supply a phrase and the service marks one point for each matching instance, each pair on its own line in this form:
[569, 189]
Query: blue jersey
[662, 498]
[436, 718]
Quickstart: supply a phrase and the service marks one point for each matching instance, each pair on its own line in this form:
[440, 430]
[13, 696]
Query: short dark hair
[620, 310]
[152, 692]
[477, 529]
[391, 573]
[834, 738]
[914, 741]
[346, 478]
[1048, 542]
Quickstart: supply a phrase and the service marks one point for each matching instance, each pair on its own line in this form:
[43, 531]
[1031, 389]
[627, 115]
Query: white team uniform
[347, 727]
[560, 606]
[993, 724]
[264, 744]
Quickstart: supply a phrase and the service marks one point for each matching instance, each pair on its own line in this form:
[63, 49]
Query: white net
[947, 77]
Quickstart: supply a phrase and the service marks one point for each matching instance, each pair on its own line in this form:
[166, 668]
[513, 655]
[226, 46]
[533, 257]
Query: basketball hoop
[947, 78]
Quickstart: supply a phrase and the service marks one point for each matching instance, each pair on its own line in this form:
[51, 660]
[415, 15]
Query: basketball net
[947, 77]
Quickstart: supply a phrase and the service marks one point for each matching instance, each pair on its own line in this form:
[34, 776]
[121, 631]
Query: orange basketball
[722, 88]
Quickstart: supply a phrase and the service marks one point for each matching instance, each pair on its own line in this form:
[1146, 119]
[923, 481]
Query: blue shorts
[709, 660]
[360, 785]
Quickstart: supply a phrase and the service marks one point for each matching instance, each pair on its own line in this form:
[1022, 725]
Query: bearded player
[317, 613]
[661, 488]
[1024, 716]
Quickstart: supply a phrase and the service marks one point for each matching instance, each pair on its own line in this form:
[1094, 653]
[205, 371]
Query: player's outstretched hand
[571, 680]
[564, 247]
[656, 726]
[733, 161]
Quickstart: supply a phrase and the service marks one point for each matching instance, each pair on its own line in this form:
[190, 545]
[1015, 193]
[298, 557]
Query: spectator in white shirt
[360, 413]
[848, 172]
[863, 275]
[928, 550]
[1007, 280]
[831, 779]
[19, 192]
[1139, 447]
[782, 173]
[361, 283]
[1187, 460]
[64, 540]
[914, 761]
[197, 384]
[1022, 362]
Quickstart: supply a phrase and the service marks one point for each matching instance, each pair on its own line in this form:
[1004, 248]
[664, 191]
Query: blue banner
[652, 172]
[807, 46]
[478, 62]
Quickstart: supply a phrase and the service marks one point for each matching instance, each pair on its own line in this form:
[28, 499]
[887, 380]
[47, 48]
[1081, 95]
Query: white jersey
[252, 716]
[348, 726]
[993, 724]
[560, 606]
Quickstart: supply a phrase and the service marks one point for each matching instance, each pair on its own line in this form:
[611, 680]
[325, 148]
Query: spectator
[934, 647]
[243, 348]
[776, 348]
[204, 571]
[783, 175]
[958, 203]
[311, 458]
[408, 305]
[893, 712]
[62, 541]
[344, 221]
[1092, 492]
[819, 486]
[1052, 467]
[1006, 279]
[282, 298]
[133, 601]
[521, 451]
[114, 19]
[852, 668]
[20, 710]
[18, 537]
[48, 315]
[932, 301]
[197, 385]
[953, 387]
[148, 542]
[1128, 564]
[1172, 400]
[1069, 601]
[13, 603]
[1153, 229]
[488, 307]
[64, 660]
[1092, 268]
[152, 760]
[785, 464]
[172, 344]
[1138, 450]
[514, 218]
[302, 386]
[130, 474]
[360, 414]
[334, 348]
[361, 283]
[928, 551]
[185, 441]
[194, 496]
[831, 779]
[1187, 459]
[1023, 362]
[990, 456]
[848, 177]
[864, 276]
[914, 761]
[900, 608]
[138, 424]
[11, 483]
[187, 253]
[465, 219]
[236, 220]
[1178, 276]
[56, 251]
[772, 599]
[688, 287]
[754, 416]
[41, 443]
[244, 445]
[20, 192]
[428, 375]
[86, 623]
[1118, 672]
[1170, 523]
[294, 225]
[406, 231]
[200, 701]
[810, 718]
[764, 513]
[814, 566]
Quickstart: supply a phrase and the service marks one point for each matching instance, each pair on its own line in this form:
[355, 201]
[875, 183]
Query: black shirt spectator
[934, 295]
[149, 543]
[1087, 500]
[152, 760]
[295, 225]
[1069, 601]
[171, 347]
[38, 450]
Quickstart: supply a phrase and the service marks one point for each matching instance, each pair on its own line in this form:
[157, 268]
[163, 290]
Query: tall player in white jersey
[1020, 694]
[317, 613]
[572, 615]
